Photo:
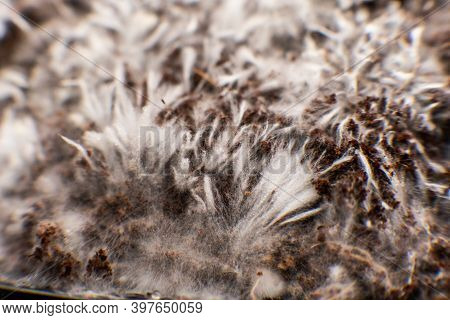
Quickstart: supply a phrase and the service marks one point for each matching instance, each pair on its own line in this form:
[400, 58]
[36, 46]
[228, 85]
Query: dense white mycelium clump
[207, 149]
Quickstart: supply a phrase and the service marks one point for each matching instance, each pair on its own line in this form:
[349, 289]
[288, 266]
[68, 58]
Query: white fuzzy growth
[79, 148]
[19, 148]
[204, 200]
[267, 285]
